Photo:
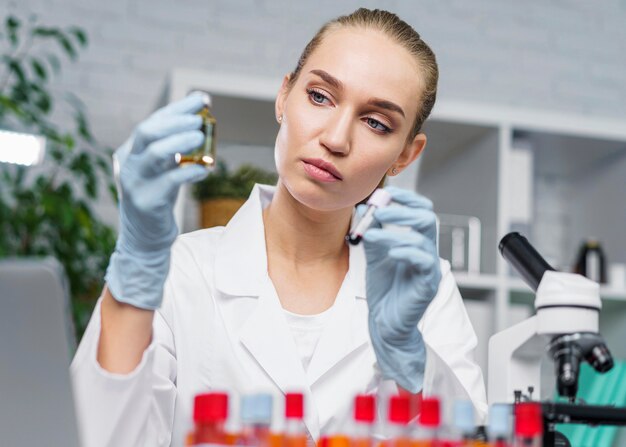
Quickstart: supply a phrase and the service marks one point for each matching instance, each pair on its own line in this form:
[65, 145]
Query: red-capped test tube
[210, 411]
[398, 417]
[364, 417]
[428, 423]
[528, 425]
[295, 434]
[379, 199]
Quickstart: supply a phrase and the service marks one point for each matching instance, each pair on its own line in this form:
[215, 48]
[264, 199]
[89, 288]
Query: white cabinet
[559, 178]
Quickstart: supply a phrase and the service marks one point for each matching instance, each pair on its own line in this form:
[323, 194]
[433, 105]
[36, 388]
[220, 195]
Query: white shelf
[517, 285]
[476, 282]
[612, 293]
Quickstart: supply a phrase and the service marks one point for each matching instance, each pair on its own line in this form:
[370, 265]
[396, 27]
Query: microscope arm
[514, 361]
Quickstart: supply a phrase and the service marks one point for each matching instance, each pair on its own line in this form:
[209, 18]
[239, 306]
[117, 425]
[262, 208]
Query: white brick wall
[552, 55]
[558, 55]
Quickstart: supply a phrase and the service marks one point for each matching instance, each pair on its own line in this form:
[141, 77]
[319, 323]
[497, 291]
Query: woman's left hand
[403, 277]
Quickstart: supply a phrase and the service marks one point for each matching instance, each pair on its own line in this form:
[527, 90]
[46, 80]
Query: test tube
[379, 198]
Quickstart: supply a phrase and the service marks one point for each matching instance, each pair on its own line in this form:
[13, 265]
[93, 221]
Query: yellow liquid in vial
[205, 154]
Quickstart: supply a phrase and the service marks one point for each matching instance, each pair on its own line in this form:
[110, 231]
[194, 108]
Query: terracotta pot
[217, 212]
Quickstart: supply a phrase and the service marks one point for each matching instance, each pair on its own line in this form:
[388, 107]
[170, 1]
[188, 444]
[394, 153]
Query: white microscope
[565, 327]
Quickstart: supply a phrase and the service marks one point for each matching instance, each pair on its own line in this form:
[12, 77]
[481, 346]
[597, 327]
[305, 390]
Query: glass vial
[591, 261]
[210, 412]
[206, 154]
[364, 417]
[528, 425]
[295, 434]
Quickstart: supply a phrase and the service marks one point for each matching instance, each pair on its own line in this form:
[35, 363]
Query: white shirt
[306, 331]
[221, 326]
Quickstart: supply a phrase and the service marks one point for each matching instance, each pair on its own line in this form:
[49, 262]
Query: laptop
[36, 343]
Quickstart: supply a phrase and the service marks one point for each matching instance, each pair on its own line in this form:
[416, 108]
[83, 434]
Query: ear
[279, 105]
[411, 151]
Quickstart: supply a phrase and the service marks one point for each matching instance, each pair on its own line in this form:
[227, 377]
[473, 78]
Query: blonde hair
[398, 30]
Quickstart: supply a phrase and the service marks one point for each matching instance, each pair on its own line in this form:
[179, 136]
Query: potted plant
[47, 210]
[222, 193]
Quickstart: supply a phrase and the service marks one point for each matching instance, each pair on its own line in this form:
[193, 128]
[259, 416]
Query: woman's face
[346, 120]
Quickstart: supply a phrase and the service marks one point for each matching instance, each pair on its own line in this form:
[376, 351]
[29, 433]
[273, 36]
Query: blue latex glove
[148, 183]
[402, 277]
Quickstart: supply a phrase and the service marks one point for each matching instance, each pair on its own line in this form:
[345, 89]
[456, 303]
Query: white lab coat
[221, 326]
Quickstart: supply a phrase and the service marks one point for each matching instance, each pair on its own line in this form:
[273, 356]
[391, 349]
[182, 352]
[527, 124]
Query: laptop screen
[36, 341]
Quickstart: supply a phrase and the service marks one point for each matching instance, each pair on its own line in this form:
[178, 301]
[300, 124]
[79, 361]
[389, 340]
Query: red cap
[528, 419]
[430, 414]
[210, 407]
[294, 405]
[364, 408]
[399, 409]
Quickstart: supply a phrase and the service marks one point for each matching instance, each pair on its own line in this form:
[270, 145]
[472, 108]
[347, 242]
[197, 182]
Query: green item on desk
[597, 389]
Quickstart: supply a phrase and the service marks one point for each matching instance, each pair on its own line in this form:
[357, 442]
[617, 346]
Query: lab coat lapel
[346, 329]
[241, 258]
[268, 338]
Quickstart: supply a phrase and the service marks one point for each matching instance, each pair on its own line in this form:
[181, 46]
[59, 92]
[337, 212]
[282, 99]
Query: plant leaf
[83, 127]
[80, 35]
[67, 45]
[39, 69]
[15, 67]
[44, 31]
[12, 25]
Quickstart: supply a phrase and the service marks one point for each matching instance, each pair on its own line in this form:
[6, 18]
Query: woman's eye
[316, 96]
[377, 125]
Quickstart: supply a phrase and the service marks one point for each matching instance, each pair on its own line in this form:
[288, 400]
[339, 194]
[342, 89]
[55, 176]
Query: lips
[325, 166]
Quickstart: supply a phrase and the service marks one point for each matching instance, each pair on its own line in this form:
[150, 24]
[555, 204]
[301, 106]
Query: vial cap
[210, 407]
[464, 416]
[379, 198]
[206, 97]
[399, 409]
[528, 419]
[364, 408]
[256, 409]
[430, 414]
[499, 420]
[294, 405]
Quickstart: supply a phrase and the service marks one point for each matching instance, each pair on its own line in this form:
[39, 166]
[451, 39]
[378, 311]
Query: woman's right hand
[148, 182]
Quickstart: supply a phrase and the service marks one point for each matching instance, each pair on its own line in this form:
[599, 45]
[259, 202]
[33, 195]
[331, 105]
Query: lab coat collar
[267, 337]
[241, 258]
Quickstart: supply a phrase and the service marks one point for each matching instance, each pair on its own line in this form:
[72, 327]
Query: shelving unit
[571, 170]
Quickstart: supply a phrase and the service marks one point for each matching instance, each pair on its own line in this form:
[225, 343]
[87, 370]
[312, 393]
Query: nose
[336, 136]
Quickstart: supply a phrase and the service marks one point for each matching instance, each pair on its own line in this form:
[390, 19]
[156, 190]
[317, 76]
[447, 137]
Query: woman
[276, 299]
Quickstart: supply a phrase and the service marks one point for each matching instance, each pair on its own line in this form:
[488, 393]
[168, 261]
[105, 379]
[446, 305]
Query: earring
[394, 171]
[280, 119]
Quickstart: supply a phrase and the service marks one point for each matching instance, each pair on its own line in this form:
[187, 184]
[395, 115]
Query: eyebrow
[384, 104]
[377, 102]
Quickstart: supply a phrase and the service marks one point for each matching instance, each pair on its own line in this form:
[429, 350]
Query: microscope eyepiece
[516, 249]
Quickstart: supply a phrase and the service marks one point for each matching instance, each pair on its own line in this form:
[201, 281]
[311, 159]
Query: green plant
[47, 211]
[221, 183]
